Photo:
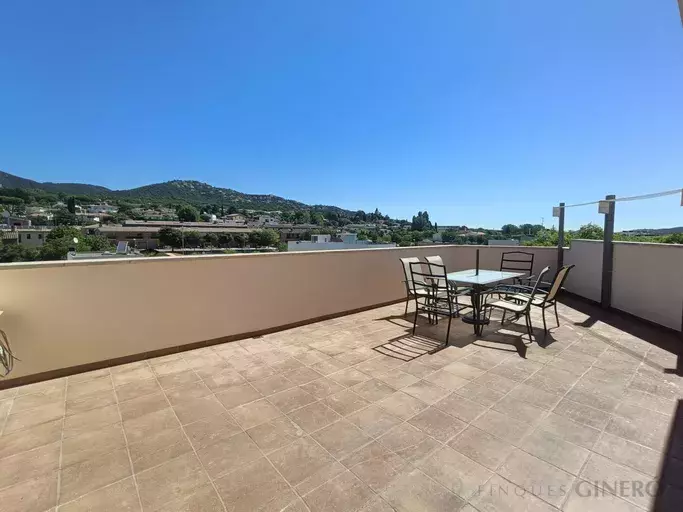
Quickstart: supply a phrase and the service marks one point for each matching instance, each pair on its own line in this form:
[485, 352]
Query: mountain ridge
[190, 191]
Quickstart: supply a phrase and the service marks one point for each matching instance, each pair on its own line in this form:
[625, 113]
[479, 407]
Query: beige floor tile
[256, 486]
[346, 402]
[90, 402]
[137, 407]
[502, 426]
[229, 454]
[482, 395]
[275, 434]
[557, 452]
[601, 469]
[137, 389]
[185, 392]
[628, 453]
[92, 474]
[82, 377]
[413, 491]
[291, 399]
[39, 399]
[373, 420]
[402, 405]
[463, 371]
[564, 428]
[34, 495]
[377, 470]
[397, 379]
[175, 479]
[344, 493]
[303, 375]
[535, 396]
[76, 390]
[272, 385]
[417, 369]
[32, 417]
[499, 494]
[460, 407]
[254, 372]
[286, 365]
[158, 448]
[223, 379]
[373, 390]
[341, 438]
[27, 439]
[446, 380]
[212, 429]
[639, 425]
[519, 410]
[455, 472]
[134, 374]
[314, 416]
[29, 465]
[92, 444]
[203, 499]
[146, 425]
[582, 414]
[349, 377]
[409, 442]
[585, 497]
[198, 408]
[329, 366]
[437, 424]
[300, 460]
[482, 447]
[118, 497]
[541, 479]
[238, 395]
[255, 413]
[90, 420]
[322, 387]
[426, 391]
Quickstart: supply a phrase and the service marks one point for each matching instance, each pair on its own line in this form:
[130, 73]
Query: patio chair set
[514, 290]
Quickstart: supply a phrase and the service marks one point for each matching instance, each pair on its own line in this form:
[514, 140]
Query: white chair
[408, 279]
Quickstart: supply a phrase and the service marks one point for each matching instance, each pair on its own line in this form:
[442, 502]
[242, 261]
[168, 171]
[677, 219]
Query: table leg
[478, 316]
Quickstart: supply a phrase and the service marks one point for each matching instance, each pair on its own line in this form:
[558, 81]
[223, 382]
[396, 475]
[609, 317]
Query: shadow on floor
[670, 492]
[661, 337]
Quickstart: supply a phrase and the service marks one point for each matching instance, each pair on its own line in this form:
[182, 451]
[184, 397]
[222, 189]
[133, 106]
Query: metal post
[608, 255]
[560, 239]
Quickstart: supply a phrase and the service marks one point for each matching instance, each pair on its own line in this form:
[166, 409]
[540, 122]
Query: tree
[240, 239]
[169, 237]
[590, 231]
[15, 252]
[225, 239]
[187, 213]
[71, 205]
[64, 217]
[192, 239]
[421, 222]
[211, 240]
[509, 230]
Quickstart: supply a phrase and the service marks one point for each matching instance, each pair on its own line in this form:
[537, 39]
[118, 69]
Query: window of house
[28, 236]
[40, 237]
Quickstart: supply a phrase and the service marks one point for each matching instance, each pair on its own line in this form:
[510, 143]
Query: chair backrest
[405, 263]
[431, 277]
[534, 290]
[438, 266]
[517, 261]
[558, 281]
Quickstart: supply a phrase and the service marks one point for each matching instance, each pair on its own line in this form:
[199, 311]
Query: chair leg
[415, 319]
[556, 315]
[502, 322]
[545, 327]
[529, 327]
[448, 330]
[407, 301]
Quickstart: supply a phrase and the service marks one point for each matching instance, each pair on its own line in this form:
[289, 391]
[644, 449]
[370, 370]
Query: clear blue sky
[481, 112]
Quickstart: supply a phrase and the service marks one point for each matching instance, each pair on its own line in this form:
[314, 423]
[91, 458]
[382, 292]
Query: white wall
[648, 282]
[585, 279]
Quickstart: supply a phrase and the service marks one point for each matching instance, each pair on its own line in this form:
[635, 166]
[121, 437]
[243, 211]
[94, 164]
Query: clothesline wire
[631, 198]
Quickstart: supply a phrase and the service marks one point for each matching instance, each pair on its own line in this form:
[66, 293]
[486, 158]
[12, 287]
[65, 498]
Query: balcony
[292, 382]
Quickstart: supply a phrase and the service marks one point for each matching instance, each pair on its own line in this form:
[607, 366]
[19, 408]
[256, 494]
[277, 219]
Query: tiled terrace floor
[314, 419]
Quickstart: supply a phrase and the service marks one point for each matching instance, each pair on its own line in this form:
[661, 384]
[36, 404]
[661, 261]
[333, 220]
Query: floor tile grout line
[125, 440]
[61, 447]
[255, 444]
[187, 438]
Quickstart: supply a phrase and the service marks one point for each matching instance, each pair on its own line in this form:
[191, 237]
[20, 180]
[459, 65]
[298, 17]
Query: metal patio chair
[518, 261]
[408, 280]
[518, 306]
[434, 295]
[543, 299]
[438, 261]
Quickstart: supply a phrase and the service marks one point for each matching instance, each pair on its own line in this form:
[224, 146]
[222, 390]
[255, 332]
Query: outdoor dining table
[479, 281]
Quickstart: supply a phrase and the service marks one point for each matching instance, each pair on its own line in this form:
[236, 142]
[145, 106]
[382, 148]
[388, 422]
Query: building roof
[210, 228]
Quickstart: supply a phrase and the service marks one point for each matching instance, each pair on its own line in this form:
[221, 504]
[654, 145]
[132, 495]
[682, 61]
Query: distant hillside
[177, 190]
[654, 232]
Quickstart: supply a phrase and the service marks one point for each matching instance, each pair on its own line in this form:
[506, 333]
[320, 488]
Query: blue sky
[482, 113]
